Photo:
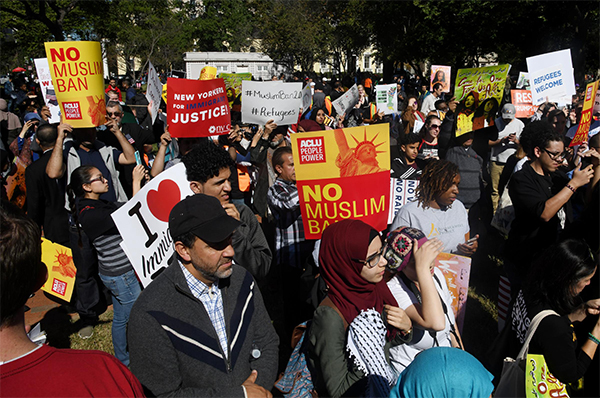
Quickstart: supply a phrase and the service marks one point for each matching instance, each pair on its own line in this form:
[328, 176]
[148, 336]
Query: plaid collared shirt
[289, 233]
[213, 302]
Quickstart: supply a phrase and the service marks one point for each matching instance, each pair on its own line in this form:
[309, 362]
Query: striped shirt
[212, 300]
[112, 260]
[284, 203]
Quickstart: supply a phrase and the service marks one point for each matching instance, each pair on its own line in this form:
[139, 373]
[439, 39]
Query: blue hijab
[444, 372]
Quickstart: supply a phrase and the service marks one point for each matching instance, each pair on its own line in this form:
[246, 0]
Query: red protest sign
[197, 108]
[521, 99]
[586, 115]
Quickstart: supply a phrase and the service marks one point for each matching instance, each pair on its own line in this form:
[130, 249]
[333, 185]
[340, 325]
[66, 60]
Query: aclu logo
[312, 150]
[72, 110]
[223, 129]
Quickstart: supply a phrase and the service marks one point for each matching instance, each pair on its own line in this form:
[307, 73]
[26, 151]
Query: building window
[367, 61]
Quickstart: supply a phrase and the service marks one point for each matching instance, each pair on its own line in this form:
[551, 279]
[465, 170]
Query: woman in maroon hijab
[359, 315]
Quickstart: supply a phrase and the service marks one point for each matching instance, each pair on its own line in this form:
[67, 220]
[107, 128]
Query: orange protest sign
[61, 270]
[456, 270]
[77, 75]
[521, 99]
[343, 174]
[586, 115]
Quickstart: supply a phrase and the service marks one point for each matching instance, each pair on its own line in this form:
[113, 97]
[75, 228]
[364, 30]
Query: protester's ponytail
[79, 176]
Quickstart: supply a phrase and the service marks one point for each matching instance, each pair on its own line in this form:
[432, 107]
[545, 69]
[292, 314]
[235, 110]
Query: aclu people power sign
[197, 108]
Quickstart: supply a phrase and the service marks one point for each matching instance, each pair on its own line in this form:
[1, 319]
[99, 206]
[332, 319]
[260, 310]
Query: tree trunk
[388, 71]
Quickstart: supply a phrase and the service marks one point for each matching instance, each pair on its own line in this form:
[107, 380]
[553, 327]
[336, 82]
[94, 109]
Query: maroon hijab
[350, 292]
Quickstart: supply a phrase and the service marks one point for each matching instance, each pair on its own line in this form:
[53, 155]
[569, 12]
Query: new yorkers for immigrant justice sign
[77, 76]
[263, 101]
[197, 108]
[343, 174]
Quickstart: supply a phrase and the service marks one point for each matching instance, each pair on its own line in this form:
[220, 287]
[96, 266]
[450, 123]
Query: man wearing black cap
[201, 328]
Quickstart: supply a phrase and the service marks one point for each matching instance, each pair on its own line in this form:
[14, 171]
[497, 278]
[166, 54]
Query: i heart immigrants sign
[143, 222]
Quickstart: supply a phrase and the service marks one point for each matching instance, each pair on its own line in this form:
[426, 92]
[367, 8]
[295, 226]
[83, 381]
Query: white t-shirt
[501, 152]
[402, 355]
[449, 226]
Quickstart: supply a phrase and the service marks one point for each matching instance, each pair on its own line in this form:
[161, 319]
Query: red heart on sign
[162, 200]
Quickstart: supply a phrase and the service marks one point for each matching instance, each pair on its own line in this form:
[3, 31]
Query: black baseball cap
[203, 216]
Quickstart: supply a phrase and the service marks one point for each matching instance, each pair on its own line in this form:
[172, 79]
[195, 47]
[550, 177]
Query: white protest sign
[45, 80]
[306, 98]
[387, 100]
[547, 85]
[401, 192]
[551, 71]
[143, 222]
[154, 90]
[346, 100]
[523, 81]
[263, 101]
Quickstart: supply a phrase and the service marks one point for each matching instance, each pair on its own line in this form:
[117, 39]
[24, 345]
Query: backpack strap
[531, 331]
[328, 303]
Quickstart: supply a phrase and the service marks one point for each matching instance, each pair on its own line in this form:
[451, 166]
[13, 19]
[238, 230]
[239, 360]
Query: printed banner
[586, 114]
[342, 174]
[440, 74]
[539, 382]
[61, 270]
[306, 98]
[346, 101]
[521, 99]
[197, 108]
[45, 79]
[143, 222]
[153, 90]
[480, 92]
[387, 100]
[263, 101]
[233, 84]
[551, 77]
[77, 77]
[401, 192]
[523, 81]
[456, 270]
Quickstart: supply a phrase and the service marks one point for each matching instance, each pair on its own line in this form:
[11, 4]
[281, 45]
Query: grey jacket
[174, 348]
[250, 245]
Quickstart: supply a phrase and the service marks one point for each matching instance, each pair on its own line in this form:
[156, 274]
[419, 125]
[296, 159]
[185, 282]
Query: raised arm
[128, 155]
[56, 166]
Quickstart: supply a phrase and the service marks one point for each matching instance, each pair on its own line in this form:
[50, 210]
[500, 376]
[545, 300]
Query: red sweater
[50, 372]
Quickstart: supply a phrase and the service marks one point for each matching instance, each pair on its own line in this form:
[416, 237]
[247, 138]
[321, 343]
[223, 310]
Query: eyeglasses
[435, 126]
[111, 114]
[373, 259]
[101, 178]
[556, 156]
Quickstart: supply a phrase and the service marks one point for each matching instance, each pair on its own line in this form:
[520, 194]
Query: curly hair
[205, 161]
[539, 135]
[436, 179]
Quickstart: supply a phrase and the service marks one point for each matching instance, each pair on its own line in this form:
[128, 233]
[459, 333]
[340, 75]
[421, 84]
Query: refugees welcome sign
[197, 108]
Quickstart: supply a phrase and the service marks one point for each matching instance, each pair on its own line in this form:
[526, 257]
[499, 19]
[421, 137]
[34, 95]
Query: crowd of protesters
[375, 300]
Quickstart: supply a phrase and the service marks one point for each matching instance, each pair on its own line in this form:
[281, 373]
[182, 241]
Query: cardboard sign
[233, 84]
[342, 174]
[387, 100]
[153, 90]
[521, 99]
[77, 76]
[480, 92]
[346, 101]
[539, 382]
[61, 270]
[586, 114]
[551, 77]
[523, 81]
[456, 270]
[143, 222]
[263, 101]
[401, 192]
[306, 98]
[197, 108]
[45, 79]
[440, 74]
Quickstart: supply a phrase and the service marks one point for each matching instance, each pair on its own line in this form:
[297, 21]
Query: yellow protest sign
[208, 73]
[586, 115]
[61, 270]
[77, 75]
[164, 92]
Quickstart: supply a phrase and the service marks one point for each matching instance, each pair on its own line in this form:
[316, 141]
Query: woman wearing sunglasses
[346, 340]
[428, 148]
